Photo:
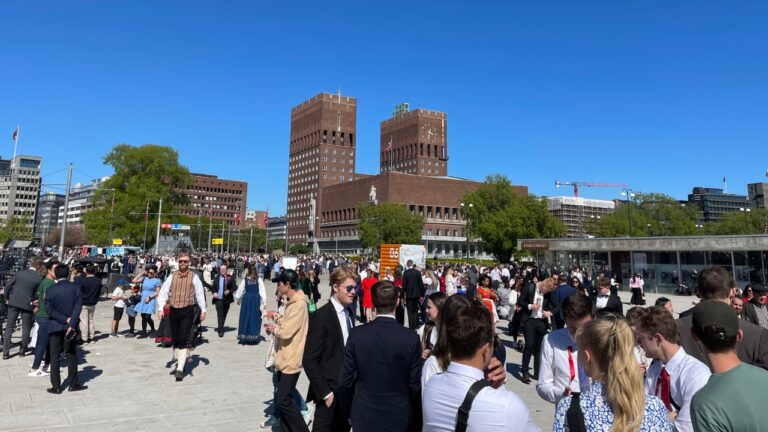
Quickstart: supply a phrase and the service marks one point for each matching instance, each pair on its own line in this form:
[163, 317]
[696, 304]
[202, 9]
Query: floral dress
[598, 415]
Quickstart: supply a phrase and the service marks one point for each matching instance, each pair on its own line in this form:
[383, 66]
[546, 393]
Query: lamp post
[745, 210]
[466, 227]
[630, 195]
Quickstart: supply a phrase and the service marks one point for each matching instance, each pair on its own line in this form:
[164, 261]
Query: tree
[652, 214]
[15, 228]
[754, 222]
[142, 175]
[298, 249]
[388, 223]
[75, 236]
[498, 216]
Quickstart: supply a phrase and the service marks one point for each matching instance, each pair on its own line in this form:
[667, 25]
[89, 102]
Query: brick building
[415, 142]
[321, 153]
[219, 199]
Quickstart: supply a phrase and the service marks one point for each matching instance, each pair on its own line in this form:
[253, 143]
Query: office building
[756, 193]
[81, 200]
[714, 203]
[19, 188]
[276, 229]
[219, 199]
[578, 214]
[48, 213]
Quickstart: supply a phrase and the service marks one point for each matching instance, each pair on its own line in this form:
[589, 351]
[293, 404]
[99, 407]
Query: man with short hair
[734, 397]
[382, 358]
[560, 375]
[471, 347]
[737, 303]
[20, 292]
[91, 288]
[223, 288]
[674, 376]
[63, 303]
[606, 301]
[714, 283]
[535, 306]
[42, 349]
[561, 293]
[414, 290]
[755, 310]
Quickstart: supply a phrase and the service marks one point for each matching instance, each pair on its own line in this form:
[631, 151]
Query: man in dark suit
[559, 295]
[223, 288]
[535, 311]
[755, 310]
[379, 386]
[329, 330]
[715, 283]
[63, 303]
[606, 301]
[20, 292]
[413, 288]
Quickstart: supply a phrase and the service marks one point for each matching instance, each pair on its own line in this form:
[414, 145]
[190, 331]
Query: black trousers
[637, 297]
[27, 319]
[290, 416]
[412, 306]
[222, 309]
[514, 326]
[181, 321]
[59, 344]
[534, 331]
[329, 419]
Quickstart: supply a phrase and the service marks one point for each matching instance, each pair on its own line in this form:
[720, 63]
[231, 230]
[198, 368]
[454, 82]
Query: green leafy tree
[652, 214]
[298, 249]
[754, 222]
[142, 174]
[388, 223]
[15, 228]
[498, 216]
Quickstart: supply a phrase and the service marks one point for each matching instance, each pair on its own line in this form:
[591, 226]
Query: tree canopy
[142, 174]
[14, 228]
[499, 216]
[388, 223]
[652, 214]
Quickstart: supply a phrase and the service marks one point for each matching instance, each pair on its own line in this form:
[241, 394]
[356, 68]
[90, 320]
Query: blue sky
[661, 95]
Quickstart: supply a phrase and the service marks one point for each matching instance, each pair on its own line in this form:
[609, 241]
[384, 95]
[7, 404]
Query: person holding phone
[63, 303]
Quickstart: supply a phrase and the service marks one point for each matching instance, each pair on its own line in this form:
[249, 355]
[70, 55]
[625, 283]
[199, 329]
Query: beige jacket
[291, 334]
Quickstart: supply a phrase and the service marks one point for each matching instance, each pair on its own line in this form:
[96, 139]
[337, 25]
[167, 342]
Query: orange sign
[389, 258]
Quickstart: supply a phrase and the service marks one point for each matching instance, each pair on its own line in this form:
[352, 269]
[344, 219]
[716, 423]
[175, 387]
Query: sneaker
[37, 373]
[114, 335]
[270, 422]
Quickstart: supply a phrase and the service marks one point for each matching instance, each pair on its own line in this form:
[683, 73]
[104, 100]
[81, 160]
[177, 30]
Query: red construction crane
[578, 185]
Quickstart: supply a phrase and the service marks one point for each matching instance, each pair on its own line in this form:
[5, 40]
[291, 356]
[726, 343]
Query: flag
[237, 219]
[15, 136]
[723, 179]
[388, 148]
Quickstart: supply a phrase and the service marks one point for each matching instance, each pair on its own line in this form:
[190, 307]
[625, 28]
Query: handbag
[312, 306]
[269, 362]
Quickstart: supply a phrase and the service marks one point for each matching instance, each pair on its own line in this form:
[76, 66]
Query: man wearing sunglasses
[329, 329]
[184, 291]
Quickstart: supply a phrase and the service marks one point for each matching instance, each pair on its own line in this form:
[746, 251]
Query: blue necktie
[349, 321]
[221, 287]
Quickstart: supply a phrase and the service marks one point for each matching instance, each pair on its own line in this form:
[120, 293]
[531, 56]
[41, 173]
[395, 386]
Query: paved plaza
[129, 389]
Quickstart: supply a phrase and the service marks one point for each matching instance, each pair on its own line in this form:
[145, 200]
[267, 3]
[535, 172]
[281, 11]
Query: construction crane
[577, 185]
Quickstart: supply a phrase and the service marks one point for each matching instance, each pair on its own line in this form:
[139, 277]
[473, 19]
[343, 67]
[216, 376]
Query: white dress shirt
[539, 300]
[555, 368]
[162, 297]
[686, 376]
[431, 368]
[492, 410]
[342, 318]
[602, 301]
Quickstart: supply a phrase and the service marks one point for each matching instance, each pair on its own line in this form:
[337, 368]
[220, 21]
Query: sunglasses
[350, 288]
[183, 261]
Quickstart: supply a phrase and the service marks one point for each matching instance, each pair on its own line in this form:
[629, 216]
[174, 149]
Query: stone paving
[129, 388]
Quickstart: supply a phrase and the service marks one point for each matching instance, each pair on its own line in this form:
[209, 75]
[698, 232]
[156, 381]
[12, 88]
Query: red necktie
[662, 388]
[571, 364]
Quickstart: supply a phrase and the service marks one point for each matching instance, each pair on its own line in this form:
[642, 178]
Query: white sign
[289, 263]
[417, 253]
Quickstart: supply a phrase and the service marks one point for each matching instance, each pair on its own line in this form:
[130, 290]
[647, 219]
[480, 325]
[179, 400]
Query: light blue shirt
[492, 410]
[222, 279]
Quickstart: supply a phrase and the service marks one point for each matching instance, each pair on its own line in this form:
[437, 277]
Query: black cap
[758, 288]
[714, 320]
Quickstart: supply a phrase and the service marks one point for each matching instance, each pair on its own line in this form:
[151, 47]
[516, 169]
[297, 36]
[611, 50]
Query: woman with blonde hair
[616, 400]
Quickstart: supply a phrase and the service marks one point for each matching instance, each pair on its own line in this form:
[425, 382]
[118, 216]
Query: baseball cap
[714, 320]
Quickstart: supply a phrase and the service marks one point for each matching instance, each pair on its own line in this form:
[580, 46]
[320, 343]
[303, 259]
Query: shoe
[221, 334]
[173, 372]
[130, 335]
[6, 356]
[37, 373]
[89, 341]
[141, 336]
[77, 387]
[526, 379]
[22, 353]
[152, 334]
[179, 375]
[270, 422]
[54, 391]
[114, 335]
[536, 376]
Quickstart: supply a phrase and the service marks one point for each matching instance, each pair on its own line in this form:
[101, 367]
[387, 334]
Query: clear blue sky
[660, 95]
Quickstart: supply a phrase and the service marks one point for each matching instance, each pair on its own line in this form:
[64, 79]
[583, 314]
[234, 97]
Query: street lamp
[745, 210]
[466, 227]
[630, 195]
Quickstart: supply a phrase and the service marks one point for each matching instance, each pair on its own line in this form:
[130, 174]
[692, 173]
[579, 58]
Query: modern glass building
[663, 261]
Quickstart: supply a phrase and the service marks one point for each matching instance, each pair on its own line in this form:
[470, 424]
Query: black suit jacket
[22, 289]
[231, 285]
[412, 284]
[63, 300]
[382, 370]
[526, 298]
[614, 305]
[753, 349]
[323, 352]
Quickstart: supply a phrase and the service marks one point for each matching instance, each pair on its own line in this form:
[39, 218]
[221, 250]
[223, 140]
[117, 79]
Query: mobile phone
[70, 335]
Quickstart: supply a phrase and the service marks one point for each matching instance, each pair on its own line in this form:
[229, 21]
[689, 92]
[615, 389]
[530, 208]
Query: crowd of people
[409, 348]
